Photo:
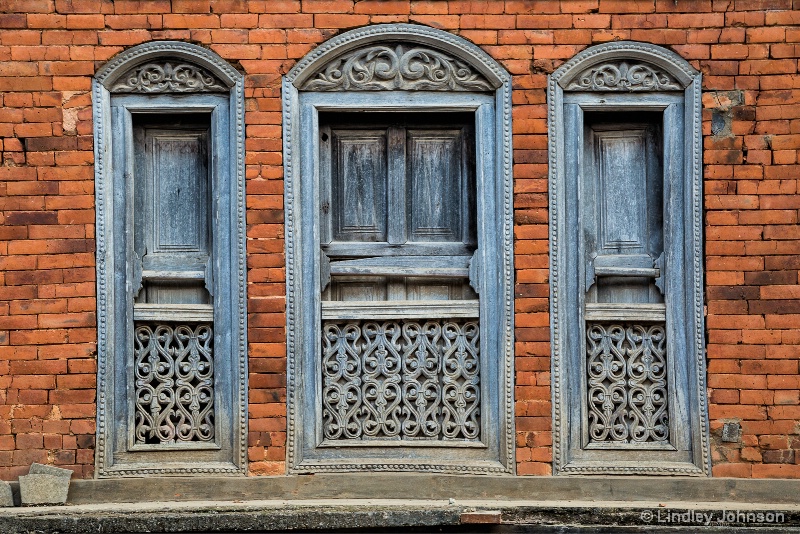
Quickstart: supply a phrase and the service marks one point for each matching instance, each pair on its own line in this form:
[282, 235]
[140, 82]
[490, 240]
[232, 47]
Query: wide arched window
[628, 368]
[397, 155]
[169, 168]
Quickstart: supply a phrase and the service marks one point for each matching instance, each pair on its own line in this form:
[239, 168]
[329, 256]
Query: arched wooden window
[169, 168]
[626, 273]
[397, 154]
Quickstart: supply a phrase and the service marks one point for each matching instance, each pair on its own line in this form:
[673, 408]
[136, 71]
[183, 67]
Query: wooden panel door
[622, 209]
[625, 383]
[436, 184]
[173, 369]
[401, 196]
[359, 183]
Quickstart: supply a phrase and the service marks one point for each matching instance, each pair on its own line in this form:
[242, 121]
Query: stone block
[731, 432]
[43, 489]
[6, 497]
[41, 469]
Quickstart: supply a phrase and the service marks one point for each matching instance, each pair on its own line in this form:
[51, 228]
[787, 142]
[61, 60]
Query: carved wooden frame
[491, 103]
[596, 80]
[213, 86]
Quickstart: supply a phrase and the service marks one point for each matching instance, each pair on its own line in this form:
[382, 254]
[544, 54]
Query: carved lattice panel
[627, 384]
[174, 384]
[401, 380]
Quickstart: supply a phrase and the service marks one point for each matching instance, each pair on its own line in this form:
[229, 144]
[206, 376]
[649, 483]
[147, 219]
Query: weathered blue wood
[399, 101]
[666, 195]
[437, 182]
[622, 207]
[123, 266]
[419, 266]
[638, 102]
[180, 190]
[305, 196]
[359, 184]
[622, 190]
[397, 190]
[342, 249]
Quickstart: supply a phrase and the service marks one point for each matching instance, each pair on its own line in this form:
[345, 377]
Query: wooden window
[626, 268]
[397, 219]
[171, 347]
[173, 312]
[398, 256]
[621, 191]
[398, 193]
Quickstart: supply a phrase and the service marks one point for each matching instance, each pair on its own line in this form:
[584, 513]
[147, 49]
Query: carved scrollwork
[400, 380]
[621, 76]
[168, 78]
[422, 388]
[627, 396]
[174, 384]
[460, 393]
[386, 68]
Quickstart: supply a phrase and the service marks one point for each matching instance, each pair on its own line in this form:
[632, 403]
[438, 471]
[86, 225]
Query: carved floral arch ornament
[402, 57]
[163, 78]
[625, 66]
[387, 68]
[628, 77]
[168, 67]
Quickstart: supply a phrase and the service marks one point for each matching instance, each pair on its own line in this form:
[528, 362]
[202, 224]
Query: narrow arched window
[168, 126]
[628, 370]
[398, 229]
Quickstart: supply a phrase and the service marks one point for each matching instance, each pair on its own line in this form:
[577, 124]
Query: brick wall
[747, 50]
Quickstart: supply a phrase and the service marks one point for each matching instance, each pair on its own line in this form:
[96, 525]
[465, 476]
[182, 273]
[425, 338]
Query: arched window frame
[114, 99]
[305, 270]
[669, 80]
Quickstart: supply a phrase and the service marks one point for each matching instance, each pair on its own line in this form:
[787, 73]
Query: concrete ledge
[436, 487]
[406, 516]
[221, 517]
[418, 503]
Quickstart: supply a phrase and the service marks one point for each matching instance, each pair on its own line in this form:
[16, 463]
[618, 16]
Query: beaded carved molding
[413, 380]
[395, 66]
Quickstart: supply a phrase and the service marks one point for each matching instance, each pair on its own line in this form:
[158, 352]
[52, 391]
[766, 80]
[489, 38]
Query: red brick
[85, 22]
[725, 396]
[732, 470]
[238, 20]
[775, 471]
[782, 18]
[695, 21]
[627, 6]
[325, 20]
[544, 21]
[191, 6]
[286, 21]
[387, 7]
[787, 397]
[191, 21]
